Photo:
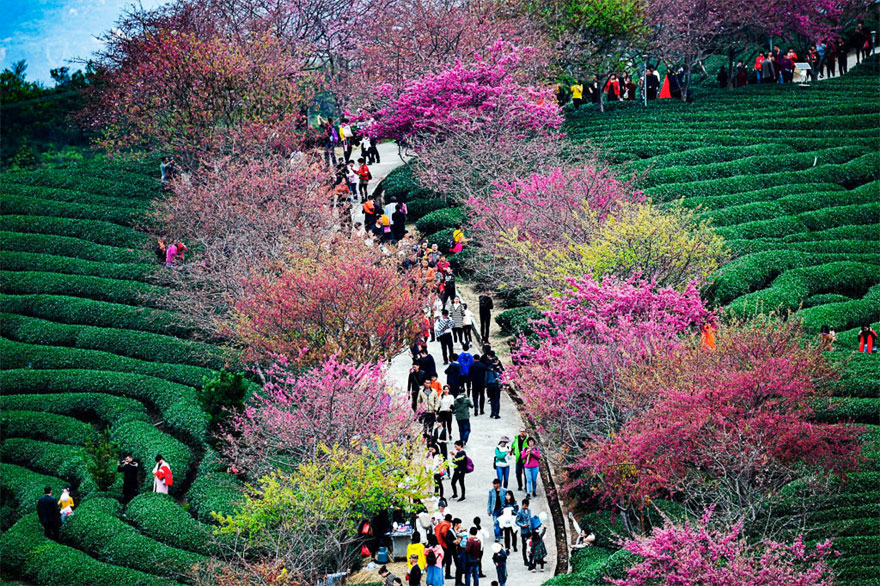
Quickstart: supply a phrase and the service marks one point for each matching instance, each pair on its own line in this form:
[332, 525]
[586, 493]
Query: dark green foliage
[441, 219]
[515, 321]
[418, 208]
[213, 489]
[399, 182]
[24, 488]
[92, 230]
[441, 239]
[222, 396]
[101, 457]
[70, 247]
[49, 263]
[18, 355]
[14, 204]
[126, 292]
[144, 188]
[47, 426]
[26, 553]
[159, 517]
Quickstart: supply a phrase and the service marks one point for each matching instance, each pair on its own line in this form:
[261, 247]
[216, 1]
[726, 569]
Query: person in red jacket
[612, 88]
[866, 340]
[365, 176]
[162, 478]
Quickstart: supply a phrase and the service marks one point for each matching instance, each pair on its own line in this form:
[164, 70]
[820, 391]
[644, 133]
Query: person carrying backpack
[461, 465]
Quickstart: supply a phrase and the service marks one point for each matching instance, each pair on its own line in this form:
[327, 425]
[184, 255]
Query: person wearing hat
[539, 548]
[502, 460]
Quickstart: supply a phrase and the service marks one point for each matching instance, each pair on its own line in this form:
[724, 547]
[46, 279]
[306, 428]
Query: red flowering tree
[569, 376]
[727, 428]
[477, 97]
[694, 554]
[345, 299]
[335, 404]
[240, 217]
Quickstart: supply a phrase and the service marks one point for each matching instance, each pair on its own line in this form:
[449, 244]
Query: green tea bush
[62, 178]
[159, 517]
[106, 408]
[418, 208]
[71, 247]
[135, 344]
[91, 230]
[441, 219]
[843, 315]
[70, 195]
[44, 426]
[96, 529]
[177, 403]
[18, 355]
[143, 441]
[61, 460]
[75, 310]
[214, 491]
[14, 204]
[125, 292]
[25, 553]
[25, 487]
[399, 182]
[49, 263]
[515, 321]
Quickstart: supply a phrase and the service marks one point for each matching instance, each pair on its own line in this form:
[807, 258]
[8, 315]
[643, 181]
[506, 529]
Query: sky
[50, 33]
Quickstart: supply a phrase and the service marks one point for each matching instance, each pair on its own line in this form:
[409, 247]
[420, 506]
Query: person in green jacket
[461, 407]
[519, 446]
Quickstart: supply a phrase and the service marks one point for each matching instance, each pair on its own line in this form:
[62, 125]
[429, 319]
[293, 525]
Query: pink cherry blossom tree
[695, 553]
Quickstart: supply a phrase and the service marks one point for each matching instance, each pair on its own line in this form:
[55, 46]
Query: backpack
[431, 558]
[468, 465]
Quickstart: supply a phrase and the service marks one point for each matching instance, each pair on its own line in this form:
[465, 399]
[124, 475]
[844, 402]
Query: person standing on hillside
[768, 69]
[453, 375]
[577, 95]
[652, 84]
[49, 514]
[130, 470]
[162, 478]
[867, 338]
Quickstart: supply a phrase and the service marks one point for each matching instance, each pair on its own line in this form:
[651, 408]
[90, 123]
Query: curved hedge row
[159, 517]
[123, 342]
[131, 188]
[177, 403]
[419, 208]
[769, 194]
[213, 490]
[50, 263]
[25, 553]
[60, 429]
[70, 247]
[14, 204]
[18, 355]
[69, 195]
[96, 528]
[441, 219]
[92, 230]
[106, 408]
[76, 310]
[26, 487]
[61, 460]
[843, 315]
[99, 288]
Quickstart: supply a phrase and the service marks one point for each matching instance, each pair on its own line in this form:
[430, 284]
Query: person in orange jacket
[707, 336]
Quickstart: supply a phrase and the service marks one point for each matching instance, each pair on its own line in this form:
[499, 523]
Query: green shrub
[94, 528]
[868, 213]
[708, 155]
[62, 178]
[105, 408]
[858, 409]
[213, 491]
[60, 460]
[101, 455]
[222, 396]
[462, 262]
[770, 194]
[126, 292]
[25, 553]
[824, 298]
[27, 206]
[515, 322]
[18, 355]
[779, 226]
[91, 230]
[441, 219]
[70, 247]
[70, 195]
[75, 310]
[177, 403]
[47, 426]
[48, 263]
[159, 517]
[441, 239]
[399, 182]
[25, 487]
[864, 232]
[143, 345]
[843, 315]
[418, 208]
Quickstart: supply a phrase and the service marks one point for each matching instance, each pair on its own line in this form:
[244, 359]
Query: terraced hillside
[85, 346]
[789, 176]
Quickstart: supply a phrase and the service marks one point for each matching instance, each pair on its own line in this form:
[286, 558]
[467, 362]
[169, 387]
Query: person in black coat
[477, 375]
[427, 364]
[49, 514]
[486, 307]
[722, 77]
[453, 375]
[130, 470]
[415, 384]
[652, 84]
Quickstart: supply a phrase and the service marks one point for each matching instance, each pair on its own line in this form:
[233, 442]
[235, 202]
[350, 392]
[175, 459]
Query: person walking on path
[473, 554]
[539, 549]
[495, 508]
[49, 514]
[477, 376]
[468, 322]
[415, 384]
[502, 460]
[440, 438]
[519, 447]
[486, 307]
[499, 558]
[459, 464]
[493, 390]
[524, 522]
[453, 375]
[462, 407]
[427, 364]
[443, 328]
[456, 314]
[416, 549]
[506, 521]
[436, 465]
[441, 532]
[465, 361]
[445, 409]
[531, 462]
[434, 556]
